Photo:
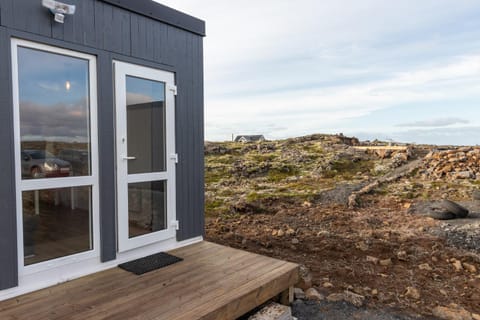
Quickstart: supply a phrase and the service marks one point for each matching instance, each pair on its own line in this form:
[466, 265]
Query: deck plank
[212, 282]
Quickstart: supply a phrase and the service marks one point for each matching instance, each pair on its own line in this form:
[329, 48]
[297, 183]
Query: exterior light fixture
[59, 9]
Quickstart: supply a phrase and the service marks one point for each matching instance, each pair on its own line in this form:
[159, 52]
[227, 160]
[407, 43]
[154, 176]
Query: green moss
[347, 169]
[215, 175]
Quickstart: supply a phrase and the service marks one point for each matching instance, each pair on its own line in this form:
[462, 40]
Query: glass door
[55, 122]
[145, 155]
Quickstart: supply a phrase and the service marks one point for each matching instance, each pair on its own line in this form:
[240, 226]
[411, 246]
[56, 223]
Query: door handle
[129, 158]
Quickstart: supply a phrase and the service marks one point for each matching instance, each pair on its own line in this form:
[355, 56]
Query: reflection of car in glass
[79, 159]
[43, 164]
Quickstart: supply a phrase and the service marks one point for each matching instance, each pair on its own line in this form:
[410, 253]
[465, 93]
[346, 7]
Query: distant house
[250, 138]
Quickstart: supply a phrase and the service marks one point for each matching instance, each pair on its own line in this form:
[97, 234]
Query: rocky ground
[357, 216]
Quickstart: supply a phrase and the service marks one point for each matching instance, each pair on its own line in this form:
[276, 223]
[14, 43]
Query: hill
[357, 215]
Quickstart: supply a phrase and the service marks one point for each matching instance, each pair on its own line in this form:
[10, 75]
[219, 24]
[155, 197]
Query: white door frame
[122, 70]
[67, 264]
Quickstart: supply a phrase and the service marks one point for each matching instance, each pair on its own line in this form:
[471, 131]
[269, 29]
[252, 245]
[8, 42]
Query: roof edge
[160, 12]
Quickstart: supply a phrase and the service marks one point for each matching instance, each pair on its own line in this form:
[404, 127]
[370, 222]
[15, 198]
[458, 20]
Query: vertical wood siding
[8, 225]
[108, 32]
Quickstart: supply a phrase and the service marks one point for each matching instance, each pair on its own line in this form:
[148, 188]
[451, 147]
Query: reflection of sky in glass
[143, 90]
[53, 94]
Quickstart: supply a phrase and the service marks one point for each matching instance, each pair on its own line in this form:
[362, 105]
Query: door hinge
[175, 224]
[174, 157]
[173, 88]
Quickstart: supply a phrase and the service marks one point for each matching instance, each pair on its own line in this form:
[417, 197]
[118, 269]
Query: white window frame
[63, 264]
[122, 70]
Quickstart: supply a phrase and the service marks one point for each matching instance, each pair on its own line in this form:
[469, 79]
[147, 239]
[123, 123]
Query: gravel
[323, 310]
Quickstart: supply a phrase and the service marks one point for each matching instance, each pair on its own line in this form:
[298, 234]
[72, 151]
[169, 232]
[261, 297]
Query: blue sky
[402, 70]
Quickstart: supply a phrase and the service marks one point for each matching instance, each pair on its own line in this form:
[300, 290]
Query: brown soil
[334, 242]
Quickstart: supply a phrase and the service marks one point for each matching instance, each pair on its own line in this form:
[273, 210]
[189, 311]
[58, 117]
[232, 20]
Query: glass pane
[145, 125]
[147, 207]
[54, 114]
[56, 223]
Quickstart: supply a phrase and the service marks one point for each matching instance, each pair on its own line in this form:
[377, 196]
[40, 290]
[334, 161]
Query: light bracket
[59, 9]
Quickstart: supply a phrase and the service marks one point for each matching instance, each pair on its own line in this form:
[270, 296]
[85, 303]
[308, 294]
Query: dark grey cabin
[101, 128]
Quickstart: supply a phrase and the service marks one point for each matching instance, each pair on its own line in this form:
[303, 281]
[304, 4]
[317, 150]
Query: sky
[407, 71]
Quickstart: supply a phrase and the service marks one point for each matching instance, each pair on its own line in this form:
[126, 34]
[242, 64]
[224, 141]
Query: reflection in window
[56, 223]
[54, 114]
[147, 211]
[145, 125]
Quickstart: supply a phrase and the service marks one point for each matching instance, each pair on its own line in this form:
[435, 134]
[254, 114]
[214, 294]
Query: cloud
[438, 122]
[50, 86]
[309, 66]
[54, 122]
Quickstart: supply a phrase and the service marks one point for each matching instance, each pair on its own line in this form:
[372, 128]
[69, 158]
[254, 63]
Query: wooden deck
[213, 282]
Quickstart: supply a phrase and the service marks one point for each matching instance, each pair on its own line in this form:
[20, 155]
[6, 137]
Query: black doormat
[149, 263]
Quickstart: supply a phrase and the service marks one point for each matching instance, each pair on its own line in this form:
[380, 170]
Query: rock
[290, 232]
[274, 232]
[273, 311]
[355, 299]
[313, 294]
[280, 233]
[362, 246]
[374, 292]
[335, 297]
[457, 265]
[452, 312]
[464, 175]
[305, 278]
[295, 241]
[298, 293]
[402, 255]
[347, 296]
[475, 316]
[372, 259]
[386, 262]
[425, 266]
[470, 267]
[327, 285]
[412, 293]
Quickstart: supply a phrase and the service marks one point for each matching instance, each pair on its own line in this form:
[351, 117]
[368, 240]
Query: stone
[425, 266]
[402, 255]
[452, 312]
[470, 267]
[305, 278]
[335, 297]
[372, 259]
[327, 285]
[273, 311]
[457, 265]
[355, 299]
[313, 294]
[280, 233]
[290, 232]
[347, 296]
[475, 316]
[295, 241]
[412, 293]
[386, 262]
[298, 293]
